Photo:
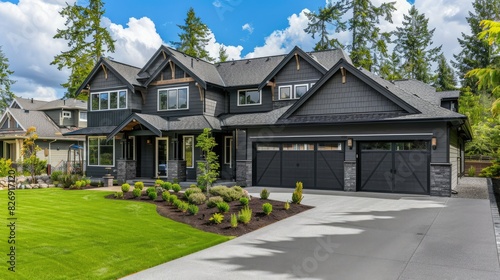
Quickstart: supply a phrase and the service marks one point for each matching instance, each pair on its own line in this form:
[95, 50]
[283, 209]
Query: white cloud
[282, 41]
[248, 27]
[28, 88]
[233, 52]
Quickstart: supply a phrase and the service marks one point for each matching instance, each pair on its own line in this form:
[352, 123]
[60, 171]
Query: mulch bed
[200, 220]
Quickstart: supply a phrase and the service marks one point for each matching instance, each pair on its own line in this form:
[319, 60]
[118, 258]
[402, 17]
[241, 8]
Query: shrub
[166, 185]
[264, 194]
[67, 180]
[192, 186]
[153, 195]
[193, 209]
[190, 191]
[297, 193]
[172, 198]
[119, 195]
[218, 190]
[216, 218]
[165, 195]
[244, 201]
[87, 182]
[287, 205]
[125, 187]
[472, 171]
[54, 176]
[183, 206]
[237, 188]
[234, 220]
[223, 207]
[6, 165]
[212, 201]
[197, 198]
[176, 188]
[77, 185]
[245, 215]
[136, 192]
[139, 185]
[158, 183]
[267, 208]
[177, 203]
[230, 195]
[150, 190]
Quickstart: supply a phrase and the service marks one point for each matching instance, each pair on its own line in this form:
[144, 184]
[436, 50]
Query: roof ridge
[121, 63]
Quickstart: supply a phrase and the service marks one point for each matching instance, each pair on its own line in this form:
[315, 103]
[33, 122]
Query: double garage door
[397, 167]
[316, 165]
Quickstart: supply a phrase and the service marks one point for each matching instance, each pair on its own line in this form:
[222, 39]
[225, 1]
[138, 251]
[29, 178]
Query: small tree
[31, 162]
[209, 169]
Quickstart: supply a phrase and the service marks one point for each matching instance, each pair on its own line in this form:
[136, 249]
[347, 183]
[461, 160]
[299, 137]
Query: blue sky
[245, 28]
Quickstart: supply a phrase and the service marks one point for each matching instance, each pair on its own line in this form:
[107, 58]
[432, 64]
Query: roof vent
[26, 111]
[31, 100]
[248, 61]
[192, 62]
[267, 59]
[233, 63]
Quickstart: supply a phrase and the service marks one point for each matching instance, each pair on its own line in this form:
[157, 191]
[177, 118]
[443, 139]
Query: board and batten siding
[195, 102]
[100, 82]
[454, 157]
[107, 117]
[266, 101]
[214, 103]
[354, 96]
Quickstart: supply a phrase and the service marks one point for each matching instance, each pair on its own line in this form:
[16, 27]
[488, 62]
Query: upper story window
[83, 116]
[300, 90]
[249, 97]
[112, 100]
[285, 92]
[173, 99]
[66, 114]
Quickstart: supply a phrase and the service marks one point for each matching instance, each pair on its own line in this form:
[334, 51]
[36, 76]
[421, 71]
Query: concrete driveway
[355, 236]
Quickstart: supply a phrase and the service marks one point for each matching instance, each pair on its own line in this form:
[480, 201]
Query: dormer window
[249, 97]
[285, 92]
[300, 90]
[112, 100]
[66, 115]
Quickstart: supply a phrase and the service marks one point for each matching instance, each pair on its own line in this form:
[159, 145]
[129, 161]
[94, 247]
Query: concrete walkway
[355, 236]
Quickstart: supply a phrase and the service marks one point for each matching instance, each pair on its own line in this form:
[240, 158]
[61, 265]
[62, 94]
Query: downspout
[50, 158]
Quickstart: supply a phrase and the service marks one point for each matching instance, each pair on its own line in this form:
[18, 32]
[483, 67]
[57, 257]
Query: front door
[161, 162]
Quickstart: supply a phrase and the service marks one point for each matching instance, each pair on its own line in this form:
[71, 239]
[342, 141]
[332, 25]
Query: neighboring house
[305, 116]
[51, 119]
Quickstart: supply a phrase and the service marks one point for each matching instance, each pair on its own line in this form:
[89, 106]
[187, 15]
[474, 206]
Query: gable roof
[247, 72]
[27, 103]
[423, 90]
[69, 103]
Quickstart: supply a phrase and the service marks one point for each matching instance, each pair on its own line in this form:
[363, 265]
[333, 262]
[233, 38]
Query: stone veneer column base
[440, 179]
[244, 173]
[126, 169]
[177, 170]
[350, 176]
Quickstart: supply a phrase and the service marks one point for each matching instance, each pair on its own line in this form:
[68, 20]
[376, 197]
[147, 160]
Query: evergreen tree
[6, 95]
[391, 68]
[368, 43]
[445, 77]
[87, 42]
[194, 37]
[413, 42]
[222, 54]
[476, 53]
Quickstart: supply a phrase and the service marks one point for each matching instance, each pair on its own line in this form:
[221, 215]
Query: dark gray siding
[195, 103]
[454, 157]
[266, 104]
[56, 117]
[214, 103]
[289, 75]
[105, 118]
[352, 97]
[100, 82]
[134, 100]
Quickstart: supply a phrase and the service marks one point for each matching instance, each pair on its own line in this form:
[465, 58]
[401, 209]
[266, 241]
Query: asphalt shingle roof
[128, 72]
[425, 91]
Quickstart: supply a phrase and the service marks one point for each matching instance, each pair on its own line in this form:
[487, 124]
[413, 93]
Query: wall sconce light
[148, 141]
[434, 142]
[349, 143]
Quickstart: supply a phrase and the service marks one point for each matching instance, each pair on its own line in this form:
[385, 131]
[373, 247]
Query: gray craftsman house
[304, 116]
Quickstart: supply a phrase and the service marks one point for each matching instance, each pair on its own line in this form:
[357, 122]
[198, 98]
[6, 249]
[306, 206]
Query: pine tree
[222, 54]
[6, 95]
[413, 42]
[87, 42]
[445, 77]
[368, 43]
[194, 37]
[391, 67]
[476, 53]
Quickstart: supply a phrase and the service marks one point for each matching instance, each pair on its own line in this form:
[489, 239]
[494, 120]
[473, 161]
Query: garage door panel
[330, 170]
[411, 172]
[268, 168]
[376, 171]
[298, 166]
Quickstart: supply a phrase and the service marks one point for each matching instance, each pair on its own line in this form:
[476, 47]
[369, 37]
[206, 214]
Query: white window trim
[279, 92]
[184, 149]
[230, 150]
[109, 100]
[66, 114]
[98, 151]
[158, 139]
[80, 116]
[166, 91]
[295, 90]
[250, 89]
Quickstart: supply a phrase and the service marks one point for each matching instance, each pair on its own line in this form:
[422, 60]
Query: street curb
[494, 215]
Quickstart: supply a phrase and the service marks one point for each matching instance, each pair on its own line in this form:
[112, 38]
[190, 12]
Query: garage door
[399, 167]
[316, 165]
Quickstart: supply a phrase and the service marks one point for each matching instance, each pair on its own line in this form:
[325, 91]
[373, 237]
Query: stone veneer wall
[440, 179]
[126, 169]
[350, 176]
[177, 170]
[244, 173]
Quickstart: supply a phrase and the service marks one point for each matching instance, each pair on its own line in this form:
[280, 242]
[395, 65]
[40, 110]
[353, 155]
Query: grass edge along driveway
[62, 234]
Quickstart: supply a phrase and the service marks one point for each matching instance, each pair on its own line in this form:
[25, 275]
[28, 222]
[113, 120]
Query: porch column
[126, 169]
[350, 176]
[177, 170]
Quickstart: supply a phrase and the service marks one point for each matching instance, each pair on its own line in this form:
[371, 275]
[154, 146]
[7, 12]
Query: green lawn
[65, 234]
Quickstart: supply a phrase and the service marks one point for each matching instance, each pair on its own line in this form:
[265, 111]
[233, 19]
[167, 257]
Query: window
[411, 146]
[112, 100]
[173, 99]
[249, 97]
[298, 147]
[300, 90]
[376, 146]
[101, 152]
[66, 115]
[329, 146]
[268, 147]
[83, 116]
[188, 150]
[129, 148]
[285, 92]
[228, 150]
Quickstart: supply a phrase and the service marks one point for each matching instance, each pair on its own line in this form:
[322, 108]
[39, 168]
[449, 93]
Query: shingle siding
[290, 74]
[354, 96]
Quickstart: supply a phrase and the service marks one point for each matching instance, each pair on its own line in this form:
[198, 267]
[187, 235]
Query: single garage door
[398, 167]
[316, 165]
